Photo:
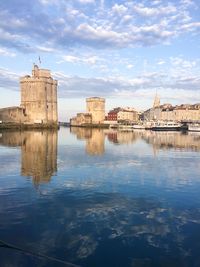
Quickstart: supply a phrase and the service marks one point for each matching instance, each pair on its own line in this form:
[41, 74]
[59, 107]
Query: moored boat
[194, 127]
[167, 126]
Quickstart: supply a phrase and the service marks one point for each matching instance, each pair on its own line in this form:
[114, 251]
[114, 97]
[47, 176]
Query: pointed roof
[156, 102]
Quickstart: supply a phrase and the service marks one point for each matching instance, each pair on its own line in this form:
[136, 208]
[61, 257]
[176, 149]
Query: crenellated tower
[39, 97]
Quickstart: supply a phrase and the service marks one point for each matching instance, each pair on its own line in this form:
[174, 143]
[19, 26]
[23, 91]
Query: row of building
[168, 112]
[95, 114]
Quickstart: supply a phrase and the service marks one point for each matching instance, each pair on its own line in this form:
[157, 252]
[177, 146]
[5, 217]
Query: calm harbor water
[100, 198]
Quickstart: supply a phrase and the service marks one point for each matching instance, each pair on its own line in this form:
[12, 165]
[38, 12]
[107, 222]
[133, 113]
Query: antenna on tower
[39, 59]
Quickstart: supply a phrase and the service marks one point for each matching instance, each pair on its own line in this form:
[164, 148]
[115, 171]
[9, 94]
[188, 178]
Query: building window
[24, 112]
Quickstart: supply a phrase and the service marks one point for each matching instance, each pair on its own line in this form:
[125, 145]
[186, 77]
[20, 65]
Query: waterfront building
[38, 100]
[127, 115]
[95, 113]
[81, 119]
[178, 113]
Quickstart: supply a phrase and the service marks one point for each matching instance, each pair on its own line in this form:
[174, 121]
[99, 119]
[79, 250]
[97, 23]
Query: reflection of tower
[81, 133]
[122, 137]
[156, 102]
[95, 144]
[39, 155]
[39, 97]
[96, 107]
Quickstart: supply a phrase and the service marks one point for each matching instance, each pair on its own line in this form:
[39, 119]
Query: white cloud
[91, 60]
[119, 9]
[9, 79]
[6, 53]
[86, 1]
[117, 25]
[161, 62]
[182, 63]
[158, 11]
[129, 66]
[193, 26]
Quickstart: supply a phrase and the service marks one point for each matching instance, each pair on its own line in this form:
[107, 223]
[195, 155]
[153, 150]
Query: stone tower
[96, 107]
[39, 97]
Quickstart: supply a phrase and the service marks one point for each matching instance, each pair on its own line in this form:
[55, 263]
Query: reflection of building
[175, 140]
[122, 137]
[38, 100]
[95, 139]
[95, 113]
[39, 152]
[12, 139]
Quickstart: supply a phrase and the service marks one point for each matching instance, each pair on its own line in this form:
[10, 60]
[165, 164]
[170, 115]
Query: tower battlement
[39, 97]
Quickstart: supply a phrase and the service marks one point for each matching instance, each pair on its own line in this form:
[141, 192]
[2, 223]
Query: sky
[124, 51]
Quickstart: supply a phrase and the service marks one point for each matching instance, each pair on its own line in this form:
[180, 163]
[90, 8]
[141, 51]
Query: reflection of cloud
[81, 225]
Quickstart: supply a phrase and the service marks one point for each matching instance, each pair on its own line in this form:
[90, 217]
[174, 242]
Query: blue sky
[124, 51]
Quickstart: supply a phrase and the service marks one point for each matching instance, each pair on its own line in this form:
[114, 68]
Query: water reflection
[177, 140]
[125, 208]
[122, 137]
[38, 152]
[110, 230]
[95, 139]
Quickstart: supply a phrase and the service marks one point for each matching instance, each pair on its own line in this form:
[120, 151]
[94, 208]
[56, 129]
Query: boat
[132, 127]
[139, 126]
[194, 127]
[167, 126]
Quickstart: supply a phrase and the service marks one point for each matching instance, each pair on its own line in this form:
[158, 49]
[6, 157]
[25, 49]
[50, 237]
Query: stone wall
[81, 119]
[12, 115]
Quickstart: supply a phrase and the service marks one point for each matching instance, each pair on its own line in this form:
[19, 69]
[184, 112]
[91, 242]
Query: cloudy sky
[124, 51]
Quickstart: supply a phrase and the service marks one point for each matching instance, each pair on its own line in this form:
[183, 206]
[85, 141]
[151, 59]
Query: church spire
[156, 102]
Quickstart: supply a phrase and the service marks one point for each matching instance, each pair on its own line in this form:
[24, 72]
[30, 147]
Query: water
[100, 198]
